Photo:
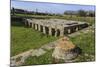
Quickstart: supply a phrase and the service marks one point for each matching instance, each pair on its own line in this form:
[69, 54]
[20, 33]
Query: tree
[66, 13]
[13, 11]
[69, 13]
[82, 13]
[91, 14]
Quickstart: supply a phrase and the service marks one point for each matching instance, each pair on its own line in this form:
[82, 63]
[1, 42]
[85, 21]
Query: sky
[50, 7]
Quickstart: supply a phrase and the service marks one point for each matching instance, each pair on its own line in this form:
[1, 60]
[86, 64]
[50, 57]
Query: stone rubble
[33, 52]
[65, 50]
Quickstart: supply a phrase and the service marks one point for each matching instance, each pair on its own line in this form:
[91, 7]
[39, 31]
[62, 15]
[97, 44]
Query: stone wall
[55, 27]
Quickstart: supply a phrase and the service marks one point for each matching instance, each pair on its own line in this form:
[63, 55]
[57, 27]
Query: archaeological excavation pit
[55, 27]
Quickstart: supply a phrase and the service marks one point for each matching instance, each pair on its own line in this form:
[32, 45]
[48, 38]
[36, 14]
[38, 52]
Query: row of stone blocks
[55, 31]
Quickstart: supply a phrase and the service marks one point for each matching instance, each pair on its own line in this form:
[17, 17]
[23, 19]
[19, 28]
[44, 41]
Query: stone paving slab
[38, 52]
[49, 46]
[33, 52]
[23, 54]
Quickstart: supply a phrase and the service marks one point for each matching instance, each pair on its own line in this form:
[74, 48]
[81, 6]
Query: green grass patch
[23, 39]
[44, 59]
[86, 41]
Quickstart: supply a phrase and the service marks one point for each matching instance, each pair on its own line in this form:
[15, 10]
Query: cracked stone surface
[38, 52]
[33, 52]
[65, 49]
[49, 46]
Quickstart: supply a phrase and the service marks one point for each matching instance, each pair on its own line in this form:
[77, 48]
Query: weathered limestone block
[61, 32]
[12, 63]
[38, 52]
[48, 46]
[76, 29]
[50, 32]
[44, 31]
[69, 31]
[65, 50]
[55, 32]
[20, 58]
[32, 25]
[35, 26]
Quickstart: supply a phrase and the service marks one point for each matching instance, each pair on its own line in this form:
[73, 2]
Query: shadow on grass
[17, 21]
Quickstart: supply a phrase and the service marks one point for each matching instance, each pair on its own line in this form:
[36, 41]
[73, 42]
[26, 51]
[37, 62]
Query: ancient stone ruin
[55, 27]
[65, 50]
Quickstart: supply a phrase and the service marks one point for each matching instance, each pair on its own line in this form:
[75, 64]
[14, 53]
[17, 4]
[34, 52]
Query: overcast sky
[49, 7]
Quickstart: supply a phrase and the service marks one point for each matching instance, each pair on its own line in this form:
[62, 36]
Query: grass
[85, 41]
[23, 39]
[44, 59]
[90, 20]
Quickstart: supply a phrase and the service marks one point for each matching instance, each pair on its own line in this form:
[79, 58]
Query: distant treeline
[21, 11]
[77, 13]
[81, 13]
